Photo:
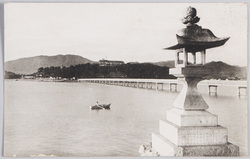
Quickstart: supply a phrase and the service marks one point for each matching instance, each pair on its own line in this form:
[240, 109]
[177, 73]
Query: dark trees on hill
[96, 71]
[11, 75]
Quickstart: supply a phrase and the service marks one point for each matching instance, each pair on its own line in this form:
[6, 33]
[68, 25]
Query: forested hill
[68, 66]
[145, 70]
[30, 65]
[222, 70]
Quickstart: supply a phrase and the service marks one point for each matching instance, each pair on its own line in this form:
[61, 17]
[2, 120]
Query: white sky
[119, 31]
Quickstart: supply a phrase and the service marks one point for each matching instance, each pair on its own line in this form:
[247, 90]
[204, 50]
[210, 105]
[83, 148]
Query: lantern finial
[191, 17]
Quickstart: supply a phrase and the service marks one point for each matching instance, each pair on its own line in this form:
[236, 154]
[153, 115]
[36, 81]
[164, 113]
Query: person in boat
[98, 105]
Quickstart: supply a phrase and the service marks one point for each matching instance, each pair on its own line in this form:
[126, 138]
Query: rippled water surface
[46, 118]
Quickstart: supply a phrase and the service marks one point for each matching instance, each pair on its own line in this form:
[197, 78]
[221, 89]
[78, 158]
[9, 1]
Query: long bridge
[168, 84]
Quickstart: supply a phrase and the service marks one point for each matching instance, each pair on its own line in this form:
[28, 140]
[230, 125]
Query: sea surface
[54, 119]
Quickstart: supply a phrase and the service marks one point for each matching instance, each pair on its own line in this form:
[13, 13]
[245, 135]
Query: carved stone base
[193, 135]
[181, 117]
[166, 148]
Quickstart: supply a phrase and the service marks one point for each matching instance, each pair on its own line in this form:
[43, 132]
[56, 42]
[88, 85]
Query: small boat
[101, 106]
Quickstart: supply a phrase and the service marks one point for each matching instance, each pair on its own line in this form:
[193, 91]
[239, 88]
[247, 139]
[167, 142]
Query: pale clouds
[119, 31]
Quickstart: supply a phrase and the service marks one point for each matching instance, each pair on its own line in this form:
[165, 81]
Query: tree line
[95, 71]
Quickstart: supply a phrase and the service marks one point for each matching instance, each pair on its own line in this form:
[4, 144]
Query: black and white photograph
[125, 80]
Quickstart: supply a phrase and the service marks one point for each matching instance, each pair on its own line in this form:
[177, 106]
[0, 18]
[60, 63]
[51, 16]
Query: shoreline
[204, 82]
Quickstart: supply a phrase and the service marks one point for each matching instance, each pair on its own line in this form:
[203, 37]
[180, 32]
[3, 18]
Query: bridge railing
[213, 86]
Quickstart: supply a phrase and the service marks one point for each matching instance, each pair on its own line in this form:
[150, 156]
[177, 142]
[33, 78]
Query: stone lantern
[189, 129]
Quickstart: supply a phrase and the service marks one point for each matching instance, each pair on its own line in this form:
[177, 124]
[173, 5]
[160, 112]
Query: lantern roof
[194, 38]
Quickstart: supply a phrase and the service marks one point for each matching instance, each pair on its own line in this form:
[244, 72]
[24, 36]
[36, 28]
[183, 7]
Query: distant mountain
[31, 64]
[222, 70]
[169, 64]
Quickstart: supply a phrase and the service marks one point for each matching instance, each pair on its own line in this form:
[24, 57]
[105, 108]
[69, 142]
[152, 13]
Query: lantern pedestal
[190, 130]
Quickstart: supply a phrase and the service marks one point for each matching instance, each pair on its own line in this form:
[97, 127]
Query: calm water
[46, 118]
